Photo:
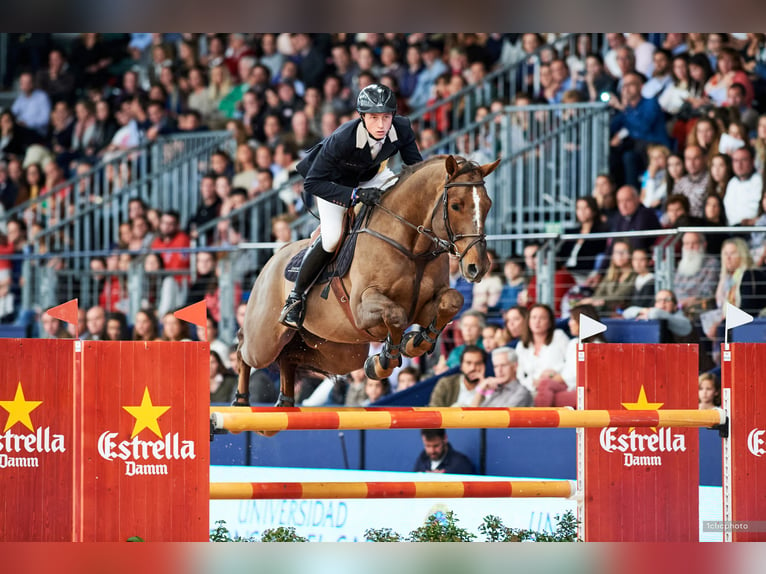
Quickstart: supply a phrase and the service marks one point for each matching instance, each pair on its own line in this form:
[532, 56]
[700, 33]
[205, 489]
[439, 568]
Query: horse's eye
[455, 207]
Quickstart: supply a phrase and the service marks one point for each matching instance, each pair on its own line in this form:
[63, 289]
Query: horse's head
[465, 206]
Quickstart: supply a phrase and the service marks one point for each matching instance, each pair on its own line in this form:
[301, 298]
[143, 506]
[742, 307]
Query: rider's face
[378, 124]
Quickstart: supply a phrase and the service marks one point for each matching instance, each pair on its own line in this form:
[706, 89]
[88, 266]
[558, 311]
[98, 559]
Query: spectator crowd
[687, 143]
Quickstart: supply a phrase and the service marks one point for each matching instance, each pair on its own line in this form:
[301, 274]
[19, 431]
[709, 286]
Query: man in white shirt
[743, 193]
[504, 389]
[32, 108]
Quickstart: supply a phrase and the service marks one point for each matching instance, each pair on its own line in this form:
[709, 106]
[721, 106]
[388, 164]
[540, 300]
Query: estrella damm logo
[20, 449]
[144, 457]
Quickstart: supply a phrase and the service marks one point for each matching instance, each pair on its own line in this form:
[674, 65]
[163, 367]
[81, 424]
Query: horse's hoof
[241, 400]
[285, 401]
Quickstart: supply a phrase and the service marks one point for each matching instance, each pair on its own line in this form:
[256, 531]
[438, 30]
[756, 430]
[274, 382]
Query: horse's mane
[464, 165]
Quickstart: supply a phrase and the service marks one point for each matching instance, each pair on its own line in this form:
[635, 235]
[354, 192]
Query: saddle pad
[339, 266]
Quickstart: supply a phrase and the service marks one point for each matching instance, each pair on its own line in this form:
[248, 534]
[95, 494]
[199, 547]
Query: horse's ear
[451, 165]
[488, 168]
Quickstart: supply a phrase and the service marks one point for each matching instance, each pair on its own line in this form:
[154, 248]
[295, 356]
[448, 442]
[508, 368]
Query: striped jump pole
[452, 417]
[439, 489]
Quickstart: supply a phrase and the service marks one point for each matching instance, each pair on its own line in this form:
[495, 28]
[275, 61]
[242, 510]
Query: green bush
[437, 528]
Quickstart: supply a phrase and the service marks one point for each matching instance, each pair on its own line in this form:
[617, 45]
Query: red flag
[66, 312]
[195, 314]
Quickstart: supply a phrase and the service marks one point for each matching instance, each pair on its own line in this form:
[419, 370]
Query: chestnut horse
[399, 277]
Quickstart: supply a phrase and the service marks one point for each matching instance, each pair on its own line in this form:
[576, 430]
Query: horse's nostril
[472, 270]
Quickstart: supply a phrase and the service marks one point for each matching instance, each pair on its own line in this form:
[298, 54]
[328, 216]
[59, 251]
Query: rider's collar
[364, 138]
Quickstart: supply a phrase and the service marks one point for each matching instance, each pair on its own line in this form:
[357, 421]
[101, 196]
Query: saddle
[344, 254]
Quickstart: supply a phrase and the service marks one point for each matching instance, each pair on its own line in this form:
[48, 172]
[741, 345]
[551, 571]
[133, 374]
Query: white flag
[590, 327]
[736, 317]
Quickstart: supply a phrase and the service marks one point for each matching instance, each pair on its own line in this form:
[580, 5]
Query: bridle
[448, 245]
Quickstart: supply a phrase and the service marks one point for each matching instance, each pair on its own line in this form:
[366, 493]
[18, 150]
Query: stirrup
[238, 396]
[288, 316]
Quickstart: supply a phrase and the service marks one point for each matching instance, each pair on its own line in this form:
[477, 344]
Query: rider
[344, 169]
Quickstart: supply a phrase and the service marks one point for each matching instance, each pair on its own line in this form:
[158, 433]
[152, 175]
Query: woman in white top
[542, 348]
[559, 389]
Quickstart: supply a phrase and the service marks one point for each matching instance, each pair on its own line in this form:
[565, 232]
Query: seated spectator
[223, 383]
[461, 284]
[709, 391]
[715, 216]
[14, 138]
[145, 326]
[735, 137]
[606, 199]
[244, 167]
[695, 183]
[489, 337]
[634, 217]
[355, 394]
[95, 323]
[654, 183]
[677, 213]
[615, 289]
[643, 290]
[53, 328]
[162, 291]
[759, 145]
[583, 256]
[459, 389]
[439, 456]
[559, 388]
[208, 209]
[205, 287]
[171, 237]
[32, 107]
[721, 171]
[56, 80]
[562, 280]
[744, 190]
[375, 389]
[740, 284]
[675, 171]
[173, 329]
[471, 324]
[679, 326]
[660, 78]
[696, 276]
[486, 293]
[542, 347]
[515, 322]
[729, 72]
[408, 377]
[504, 389]
[705, 134]
[209, 333]
[117, 327]
[513, 271]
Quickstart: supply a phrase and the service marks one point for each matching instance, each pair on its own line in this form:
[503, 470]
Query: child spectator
[709, 391]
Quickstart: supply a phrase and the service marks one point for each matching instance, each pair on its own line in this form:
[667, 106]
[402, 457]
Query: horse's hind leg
[442, 308]
[373, 309]
[242, 396]
[287, 370]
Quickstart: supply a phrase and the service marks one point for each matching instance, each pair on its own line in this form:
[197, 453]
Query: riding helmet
[376, 99]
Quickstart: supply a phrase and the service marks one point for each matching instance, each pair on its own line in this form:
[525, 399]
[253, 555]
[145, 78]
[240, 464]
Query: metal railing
[84, 213]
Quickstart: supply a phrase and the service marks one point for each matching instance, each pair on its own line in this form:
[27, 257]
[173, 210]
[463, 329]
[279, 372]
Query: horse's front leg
[444, 306]
[374, 309]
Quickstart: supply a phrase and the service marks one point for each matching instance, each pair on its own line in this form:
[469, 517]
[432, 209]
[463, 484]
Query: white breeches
[331, 214]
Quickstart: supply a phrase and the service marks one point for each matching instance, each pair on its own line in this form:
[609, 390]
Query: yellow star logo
[146, 415]
[642, 405]
[19, 409]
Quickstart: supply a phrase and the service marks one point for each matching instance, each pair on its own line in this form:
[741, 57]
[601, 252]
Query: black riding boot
[313, 262]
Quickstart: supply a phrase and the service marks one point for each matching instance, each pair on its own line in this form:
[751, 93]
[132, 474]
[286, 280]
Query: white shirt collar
[364, 138]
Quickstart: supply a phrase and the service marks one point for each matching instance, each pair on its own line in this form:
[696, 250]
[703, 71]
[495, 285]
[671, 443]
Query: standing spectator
[504, 389]
[32, 107]
[310, 62]
[439, 456]
[171, 237]
[638, 123]
[542, 347]
[744, 190]
[56, 80]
